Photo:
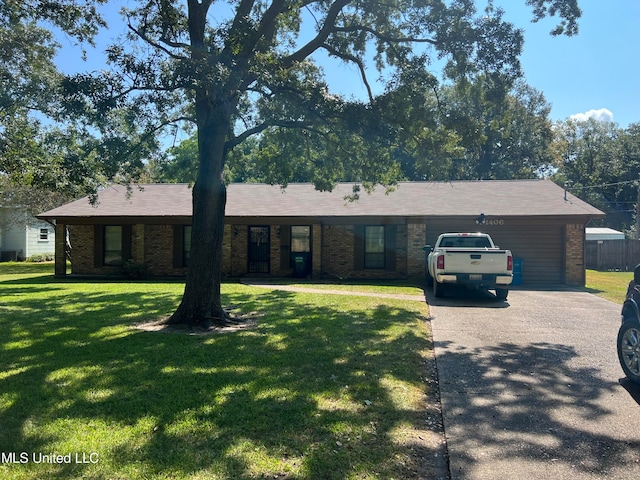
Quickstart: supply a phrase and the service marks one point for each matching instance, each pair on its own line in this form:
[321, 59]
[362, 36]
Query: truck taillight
[440, 263]
[509, 262]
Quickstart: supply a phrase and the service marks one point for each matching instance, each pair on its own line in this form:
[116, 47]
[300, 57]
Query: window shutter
[178, 246]
[285, 247]
[126, 243]
[98, 246]
[390, 247]
[358, 247]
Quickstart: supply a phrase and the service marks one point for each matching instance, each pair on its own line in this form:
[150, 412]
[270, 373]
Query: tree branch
[383, 37]
[235, 141]
[156, 45]
[352, 58]
[319, 40]
[267, 26]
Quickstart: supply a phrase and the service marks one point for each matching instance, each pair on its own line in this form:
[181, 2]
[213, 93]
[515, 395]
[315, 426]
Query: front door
[259, 249]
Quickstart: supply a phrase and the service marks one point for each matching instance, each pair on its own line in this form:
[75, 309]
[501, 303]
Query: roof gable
[408, 199]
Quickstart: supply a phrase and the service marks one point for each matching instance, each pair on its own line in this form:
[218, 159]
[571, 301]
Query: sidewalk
[292, 288]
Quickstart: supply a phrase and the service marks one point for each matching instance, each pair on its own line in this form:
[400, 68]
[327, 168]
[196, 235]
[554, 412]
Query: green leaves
[600, 163]
[27, 73]
[567, 10]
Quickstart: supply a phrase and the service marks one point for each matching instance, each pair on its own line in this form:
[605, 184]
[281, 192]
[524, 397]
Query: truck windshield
[466, 242]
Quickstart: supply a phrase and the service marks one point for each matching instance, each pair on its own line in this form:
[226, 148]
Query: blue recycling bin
[518, 264]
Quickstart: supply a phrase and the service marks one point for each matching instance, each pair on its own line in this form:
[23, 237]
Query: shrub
[41, 257]
[132, 269]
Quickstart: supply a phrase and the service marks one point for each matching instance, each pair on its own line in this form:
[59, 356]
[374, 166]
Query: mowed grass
[609, 285]
[326, 386]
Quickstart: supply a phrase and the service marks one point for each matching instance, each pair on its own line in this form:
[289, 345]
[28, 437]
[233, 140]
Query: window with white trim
[43, 235]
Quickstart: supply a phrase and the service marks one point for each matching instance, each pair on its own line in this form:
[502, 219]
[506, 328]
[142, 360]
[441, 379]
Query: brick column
[416, 239]
[137, 238]
[227, 252]
[574, 254]
[316, 251]
[60, 269]
[274, 249]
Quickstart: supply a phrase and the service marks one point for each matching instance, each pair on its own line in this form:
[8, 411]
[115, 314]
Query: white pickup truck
[469, 259]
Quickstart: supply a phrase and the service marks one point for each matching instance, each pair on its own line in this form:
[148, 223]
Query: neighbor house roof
[603, 233]
[408, 199]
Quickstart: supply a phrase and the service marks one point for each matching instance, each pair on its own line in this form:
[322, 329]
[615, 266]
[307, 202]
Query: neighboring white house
[593, 233]
[19, 242]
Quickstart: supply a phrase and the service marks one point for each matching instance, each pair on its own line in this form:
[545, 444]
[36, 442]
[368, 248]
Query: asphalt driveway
[531, 387]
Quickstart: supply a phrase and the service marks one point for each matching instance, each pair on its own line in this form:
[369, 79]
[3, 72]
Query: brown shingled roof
[492, 197]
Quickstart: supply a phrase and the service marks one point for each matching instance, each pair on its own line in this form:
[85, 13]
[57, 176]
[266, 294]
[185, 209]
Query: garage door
[541, 247]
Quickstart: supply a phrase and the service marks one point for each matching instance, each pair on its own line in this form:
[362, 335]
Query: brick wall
[316, 248]
[416, 240]
[332, 251]
[81, 240]
[138, 247]
[338, 254]
[158, 240]
[60, 241]
[337, 251]
[274, 250]
[402, 252]
[151, 244]
[574, 254]
[239, 250]
[226, 251]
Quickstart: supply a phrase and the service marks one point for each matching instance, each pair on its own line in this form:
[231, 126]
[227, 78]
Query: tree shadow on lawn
[530, 404]
[299, 397]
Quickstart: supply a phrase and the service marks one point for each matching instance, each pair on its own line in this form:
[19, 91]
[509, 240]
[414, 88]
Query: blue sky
[595, 73]
[598, 69]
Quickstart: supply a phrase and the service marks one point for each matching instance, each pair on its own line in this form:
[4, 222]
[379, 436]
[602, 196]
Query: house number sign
[496, 221]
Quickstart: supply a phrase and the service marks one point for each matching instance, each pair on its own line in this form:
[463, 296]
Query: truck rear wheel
[502, 293]
[438, 288]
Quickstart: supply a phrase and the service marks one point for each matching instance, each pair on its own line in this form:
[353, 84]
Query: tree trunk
[201, 303]
[215, 104]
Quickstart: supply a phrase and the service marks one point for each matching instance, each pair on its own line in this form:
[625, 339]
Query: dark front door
[258, 249]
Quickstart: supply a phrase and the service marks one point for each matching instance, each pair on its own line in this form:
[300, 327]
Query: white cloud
[600, 115]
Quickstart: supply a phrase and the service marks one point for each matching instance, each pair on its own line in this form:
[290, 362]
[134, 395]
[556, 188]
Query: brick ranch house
[300, 231]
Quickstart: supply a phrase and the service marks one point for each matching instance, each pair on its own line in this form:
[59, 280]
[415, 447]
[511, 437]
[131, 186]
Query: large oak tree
[240, 68]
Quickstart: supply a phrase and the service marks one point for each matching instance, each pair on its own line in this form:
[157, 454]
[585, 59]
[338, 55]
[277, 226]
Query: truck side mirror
[636, 274]
[427, 248]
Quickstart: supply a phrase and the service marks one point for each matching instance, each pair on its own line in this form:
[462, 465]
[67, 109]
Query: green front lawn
[610, 285]
[326, 386]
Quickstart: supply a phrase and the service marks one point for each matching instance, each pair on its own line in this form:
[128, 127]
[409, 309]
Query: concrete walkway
[292, 288]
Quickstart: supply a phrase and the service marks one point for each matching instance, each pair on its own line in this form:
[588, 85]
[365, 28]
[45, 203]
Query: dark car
[629, 333]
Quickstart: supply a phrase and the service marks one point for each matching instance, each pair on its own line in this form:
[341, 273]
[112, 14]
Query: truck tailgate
[475, 261]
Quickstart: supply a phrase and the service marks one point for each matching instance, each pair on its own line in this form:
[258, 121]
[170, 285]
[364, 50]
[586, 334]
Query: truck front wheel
[629, 349]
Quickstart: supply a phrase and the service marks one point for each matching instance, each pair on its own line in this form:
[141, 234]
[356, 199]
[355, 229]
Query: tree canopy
[600, 163]
[245, 67]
